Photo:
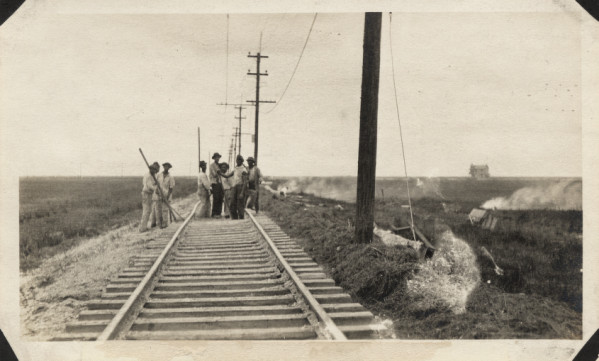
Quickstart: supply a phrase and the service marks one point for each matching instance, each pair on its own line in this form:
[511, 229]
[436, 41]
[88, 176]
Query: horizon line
[310, 176]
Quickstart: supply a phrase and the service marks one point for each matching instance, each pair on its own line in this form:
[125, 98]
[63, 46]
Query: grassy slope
[376, 275]
[56, 213]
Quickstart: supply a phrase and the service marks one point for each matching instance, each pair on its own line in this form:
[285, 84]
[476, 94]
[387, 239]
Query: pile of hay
[447, 279]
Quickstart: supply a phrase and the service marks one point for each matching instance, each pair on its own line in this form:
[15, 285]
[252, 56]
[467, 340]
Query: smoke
[448, 278]
[565, 194]
[391, 239]
[429, 187]
[334, 188]
[344, 188]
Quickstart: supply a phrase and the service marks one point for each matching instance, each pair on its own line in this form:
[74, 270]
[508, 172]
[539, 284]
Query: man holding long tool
[166, 181]
[216, 186]
[149, 187]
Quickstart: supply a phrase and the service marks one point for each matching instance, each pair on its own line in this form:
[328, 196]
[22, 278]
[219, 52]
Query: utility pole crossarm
[230, 104]
[261, 101]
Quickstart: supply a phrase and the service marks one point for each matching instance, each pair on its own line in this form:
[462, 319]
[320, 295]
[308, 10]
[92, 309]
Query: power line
[273, 31]
[227, 67]
[403, 153]
[296, 65]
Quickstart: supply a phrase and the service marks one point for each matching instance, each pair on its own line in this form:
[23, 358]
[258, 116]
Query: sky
[81, 93]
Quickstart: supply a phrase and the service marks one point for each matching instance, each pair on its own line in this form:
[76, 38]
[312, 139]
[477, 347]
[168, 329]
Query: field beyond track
[57, 212]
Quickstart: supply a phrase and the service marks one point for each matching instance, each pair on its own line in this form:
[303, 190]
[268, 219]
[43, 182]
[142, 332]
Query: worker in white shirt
[203, 192]
[227, 187]
[167, 183]
[254, 180]
[148, 188]
[239, 184]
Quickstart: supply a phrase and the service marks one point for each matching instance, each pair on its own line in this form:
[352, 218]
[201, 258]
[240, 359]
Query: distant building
[479, 171]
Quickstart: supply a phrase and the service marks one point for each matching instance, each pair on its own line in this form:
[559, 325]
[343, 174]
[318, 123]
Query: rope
[403, 153]
[296, 65]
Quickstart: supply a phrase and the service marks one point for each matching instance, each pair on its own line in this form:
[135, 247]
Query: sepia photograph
[361, 179]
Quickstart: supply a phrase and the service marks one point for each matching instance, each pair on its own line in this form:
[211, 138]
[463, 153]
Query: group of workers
[235, 189]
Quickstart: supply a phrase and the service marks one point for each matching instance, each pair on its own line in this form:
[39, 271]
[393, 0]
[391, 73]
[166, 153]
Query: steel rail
[330, 326]
[122, 319]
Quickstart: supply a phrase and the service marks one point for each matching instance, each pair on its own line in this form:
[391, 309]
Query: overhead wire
[264, 46]
[227, 68]
[403, 153]
[296, 65]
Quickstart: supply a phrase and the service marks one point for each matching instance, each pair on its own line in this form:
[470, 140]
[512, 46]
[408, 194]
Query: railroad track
[223, 280]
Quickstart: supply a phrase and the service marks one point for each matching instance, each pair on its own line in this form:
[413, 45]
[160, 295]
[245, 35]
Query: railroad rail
[223, 280]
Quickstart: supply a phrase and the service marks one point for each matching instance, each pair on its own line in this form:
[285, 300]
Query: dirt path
[54, 293]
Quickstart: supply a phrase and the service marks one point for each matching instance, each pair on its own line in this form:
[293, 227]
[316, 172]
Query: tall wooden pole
[235, 147]
[257, 101]
[199, 149]
[239, 118]
[368, 128]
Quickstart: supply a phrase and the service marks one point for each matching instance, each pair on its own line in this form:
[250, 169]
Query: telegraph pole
[240, 107]
[231, 150]
[199, 150]
[235, 147]
[239, 118]
[371, 60]
[257, 101]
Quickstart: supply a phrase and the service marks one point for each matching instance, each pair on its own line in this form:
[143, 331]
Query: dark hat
[216, 155]
[202, 163]
[251, 159]
[167, 164]
[239, 156]
[155, 165]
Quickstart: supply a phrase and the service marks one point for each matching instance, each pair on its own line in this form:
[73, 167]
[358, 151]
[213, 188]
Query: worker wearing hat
[227, 187]
[216, 186]
[254, 180]
[239, 188]
[161, 212]
[148, 188]
[203, 192]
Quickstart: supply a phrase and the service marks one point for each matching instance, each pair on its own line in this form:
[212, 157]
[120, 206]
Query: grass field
[55, 212]
[540, 251]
